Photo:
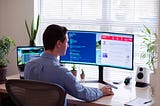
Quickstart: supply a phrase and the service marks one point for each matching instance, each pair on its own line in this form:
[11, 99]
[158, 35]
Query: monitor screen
[27, 53]
[100, 48]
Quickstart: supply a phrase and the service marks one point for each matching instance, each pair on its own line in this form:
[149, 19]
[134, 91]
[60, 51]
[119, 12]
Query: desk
[121, 95]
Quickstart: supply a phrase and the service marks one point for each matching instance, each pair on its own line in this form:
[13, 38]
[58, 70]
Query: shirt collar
[50, 56]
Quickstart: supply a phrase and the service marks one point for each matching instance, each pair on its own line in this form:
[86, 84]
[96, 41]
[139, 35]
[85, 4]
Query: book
[139, 102]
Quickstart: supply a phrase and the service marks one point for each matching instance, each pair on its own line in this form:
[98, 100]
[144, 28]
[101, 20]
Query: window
[126, 16]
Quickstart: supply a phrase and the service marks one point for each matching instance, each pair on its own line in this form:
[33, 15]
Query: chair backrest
[35, 93]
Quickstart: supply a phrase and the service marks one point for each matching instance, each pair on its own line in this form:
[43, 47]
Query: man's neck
[51, 52]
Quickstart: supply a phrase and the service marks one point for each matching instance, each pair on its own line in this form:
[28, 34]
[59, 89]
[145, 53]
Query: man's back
[47, 69]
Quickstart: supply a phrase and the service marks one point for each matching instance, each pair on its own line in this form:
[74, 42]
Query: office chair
[35, 93]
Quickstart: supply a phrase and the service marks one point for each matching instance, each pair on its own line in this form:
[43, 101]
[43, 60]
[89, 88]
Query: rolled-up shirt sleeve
[79, 91]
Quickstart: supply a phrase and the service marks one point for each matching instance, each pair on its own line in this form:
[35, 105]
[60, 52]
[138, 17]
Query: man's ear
[58, 44]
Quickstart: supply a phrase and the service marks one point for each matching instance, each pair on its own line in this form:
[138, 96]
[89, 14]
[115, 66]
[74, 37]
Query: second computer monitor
[28, 53]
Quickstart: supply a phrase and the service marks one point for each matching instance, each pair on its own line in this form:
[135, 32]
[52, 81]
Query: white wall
[12, 16]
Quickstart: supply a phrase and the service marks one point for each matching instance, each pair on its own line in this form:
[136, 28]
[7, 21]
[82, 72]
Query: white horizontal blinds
[106, 15]
[148, 15]
[71, 12]
[127, 16]
[130, 15]
[69, 9]
[117, 15]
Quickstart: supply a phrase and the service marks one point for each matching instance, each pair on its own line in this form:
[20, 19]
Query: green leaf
[38, 19]
[82, 71]
[147, 30]
[149, 41]
[5, 45]
[27, 29]
[32, 30]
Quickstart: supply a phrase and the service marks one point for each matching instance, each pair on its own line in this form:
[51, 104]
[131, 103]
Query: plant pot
[3, 74]
[82, 76]
[74, 72]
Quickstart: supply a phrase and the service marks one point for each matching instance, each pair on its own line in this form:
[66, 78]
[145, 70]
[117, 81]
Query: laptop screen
[28, 53]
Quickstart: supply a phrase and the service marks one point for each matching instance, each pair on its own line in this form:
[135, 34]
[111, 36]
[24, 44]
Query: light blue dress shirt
[47, 69]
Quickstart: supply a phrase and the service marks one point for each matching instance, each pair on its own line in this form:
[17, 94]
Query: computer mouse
[127, 80]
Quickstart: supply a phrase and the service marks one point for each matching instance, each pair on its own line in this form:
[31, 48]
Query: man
[47, 67]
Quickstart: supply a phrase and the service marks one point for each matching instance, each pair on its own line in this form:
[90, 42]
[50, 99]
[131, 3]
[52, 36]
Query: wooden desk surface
[121, 95]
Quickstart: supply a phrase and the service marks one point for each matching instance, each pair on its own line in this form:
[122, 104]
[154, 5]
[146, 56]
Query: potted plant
[149, 41]
[74, 71]
[82, 75]
[5, 45]
[32, 31]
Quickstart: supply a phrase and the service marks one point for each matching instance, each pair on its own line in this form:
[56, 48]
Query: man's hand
[107, 90]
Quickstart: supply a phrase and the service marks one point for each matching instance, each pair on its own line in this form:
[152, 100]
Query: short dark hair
[52, 34]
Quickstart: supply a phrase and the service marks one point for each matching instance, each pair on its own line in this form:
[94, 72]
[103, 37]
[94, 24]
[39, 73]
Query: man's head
[55, 38]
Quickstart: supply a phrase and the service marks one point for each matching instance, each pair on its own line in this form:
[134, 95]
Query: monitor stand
[100, 79]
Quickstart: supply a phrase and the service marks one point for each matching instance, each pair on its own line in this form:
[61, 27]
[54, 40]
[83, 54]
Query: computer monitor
[100, 48]
[27, 53]
[104, 49]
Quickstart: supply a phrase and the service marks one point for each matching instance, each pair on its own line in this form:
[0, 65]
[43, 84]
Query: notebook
[139, 102]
